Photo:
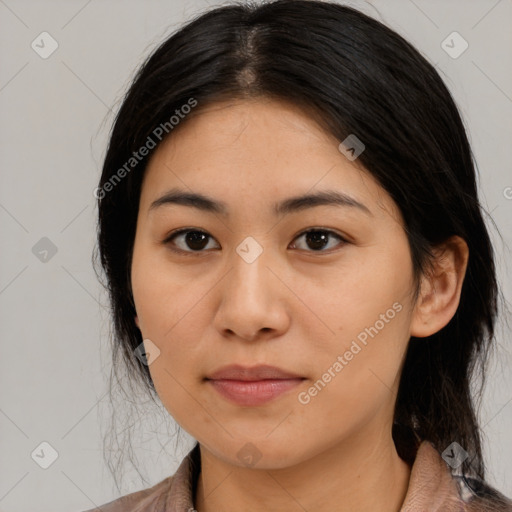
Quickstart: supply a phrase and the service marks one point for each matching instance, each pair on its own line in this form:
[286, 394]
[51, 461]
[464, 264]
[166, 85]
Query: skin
[295, 307]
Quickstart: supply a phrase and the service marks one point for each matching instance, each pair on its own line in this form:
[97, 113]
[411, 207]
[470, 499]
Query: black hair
[354, 75]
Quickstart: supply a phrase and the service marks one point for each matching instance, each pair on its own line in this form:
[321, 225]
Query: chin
[258, 453]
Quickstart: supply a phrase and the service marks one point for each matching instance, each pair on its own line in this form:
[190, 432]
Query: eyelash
[174, 234]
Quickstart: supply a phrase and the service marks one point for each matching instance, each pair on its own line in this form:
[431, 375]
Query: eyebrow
[290, 205]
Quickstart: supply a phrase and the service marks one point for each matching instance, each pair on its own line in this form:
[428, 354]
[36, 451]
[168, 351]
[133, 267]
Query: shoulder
[433, 486]
[139, 501]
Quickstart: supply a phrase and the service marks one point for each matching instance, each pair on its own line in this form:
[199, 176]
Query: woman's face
[332, 308]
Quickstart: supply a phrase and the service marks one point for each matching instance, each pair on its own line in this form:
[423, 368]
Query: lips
[260, 372]
[252, 386]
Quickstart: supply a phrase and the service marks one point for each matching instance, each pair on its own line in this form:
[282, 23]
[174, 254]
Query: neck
[355, 475]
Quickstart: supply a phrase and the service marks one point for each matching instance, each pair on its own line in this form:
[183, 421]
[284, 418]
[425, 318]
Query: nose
[253, 300]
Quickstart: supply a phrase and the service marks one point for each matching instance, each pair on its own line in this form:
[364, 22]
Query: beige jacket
[432, 488]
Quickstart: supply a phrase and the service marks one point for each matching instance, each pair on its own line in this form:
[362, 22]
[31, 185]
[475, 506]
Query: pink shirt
[432, 488]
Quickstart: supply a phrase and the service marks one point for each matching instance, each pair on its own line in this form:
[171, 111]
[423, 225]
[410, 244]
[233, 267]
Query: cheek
[367, 306]
[354, 296]
[170, 307]
[161, 293]
[356, 381]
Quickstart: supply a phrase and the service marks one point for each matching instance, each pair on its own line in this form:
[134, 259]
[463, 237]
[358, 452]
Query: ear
[440, 290]
[137, 321]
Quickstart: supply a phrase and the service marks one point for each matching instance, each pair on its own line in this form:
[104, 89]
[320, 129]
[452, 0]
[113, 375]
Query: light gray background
[54, 125]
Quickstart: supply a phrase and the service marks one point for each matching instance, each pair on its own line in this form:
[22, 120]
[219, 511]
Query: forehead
[245, 149]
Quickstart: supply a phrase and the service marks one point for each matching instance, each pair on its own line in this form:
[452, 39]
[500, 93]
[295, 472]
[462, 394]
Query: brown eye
[318, 239]
[189, 240]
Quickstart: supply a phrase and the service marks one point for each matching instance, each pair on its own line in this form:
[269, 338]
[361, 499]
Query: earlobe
[440, 290]
[137, 321]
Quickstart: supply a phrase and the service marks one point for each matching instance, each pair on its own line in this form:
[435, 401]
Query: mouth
[252, 386]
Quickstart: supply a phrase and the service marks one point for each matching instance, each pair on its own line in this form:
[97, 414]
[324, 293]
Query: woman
[298, 266]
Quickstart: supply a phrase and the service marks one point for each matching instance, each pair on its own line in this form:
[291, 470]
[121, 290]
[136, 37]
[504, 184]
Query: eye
[318, 239]
[191, 238]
